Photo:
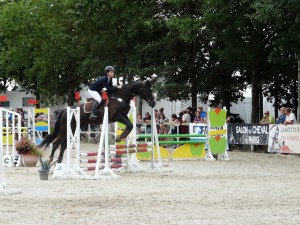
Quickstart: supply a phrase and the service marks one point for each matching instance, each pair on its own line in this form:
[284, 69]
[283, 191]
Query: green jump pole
[182, 142]
[171, 135]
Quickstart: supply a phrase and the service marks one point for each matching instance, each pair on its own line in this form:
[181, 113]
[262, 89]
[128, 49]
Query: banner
[248, 134]
[284, 139]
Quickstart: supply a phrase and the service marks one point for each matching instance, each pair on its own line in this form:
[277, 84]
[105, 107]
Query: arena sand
[251, 188]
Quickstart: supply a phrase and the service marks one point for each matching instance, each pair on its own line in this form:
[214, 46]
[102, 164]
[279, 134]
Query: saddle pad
[87, 107]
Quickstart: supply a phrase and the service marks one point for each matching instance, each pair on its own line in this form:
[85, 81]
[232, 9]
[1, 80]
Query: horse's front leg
[124, 119]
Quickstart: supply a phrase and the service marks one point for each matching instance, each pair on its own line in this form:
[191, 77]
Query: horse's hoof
[118, 139]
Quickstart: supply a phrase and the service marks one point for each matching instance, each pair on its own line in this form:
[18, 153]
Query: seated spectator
[290, 117]
[282, 116]
[267, 119]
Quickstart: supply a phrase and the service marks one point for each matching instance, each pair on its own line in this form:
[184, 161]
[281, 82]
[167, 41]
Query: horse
[118, 108]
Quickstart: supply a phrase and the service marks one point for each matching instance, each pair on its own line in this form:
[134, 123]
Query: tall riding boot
[93, 115]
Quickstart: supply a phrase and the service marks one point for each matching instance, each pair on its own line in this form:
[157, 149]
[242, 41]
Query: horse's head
[146, 93]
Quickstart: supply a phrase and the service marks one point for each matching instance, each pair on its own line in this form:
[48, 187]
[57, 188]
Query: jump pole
[3, 188]
[104, 140]
[154, 139]
[10, 158]
[73, 140]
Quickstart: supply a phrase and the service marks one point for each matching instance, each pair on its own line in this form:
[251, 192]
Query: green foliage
[45, 165]
[195, 47]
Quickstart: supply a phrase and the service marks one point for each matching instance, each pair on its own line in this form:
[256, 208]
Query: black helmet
[109, 68]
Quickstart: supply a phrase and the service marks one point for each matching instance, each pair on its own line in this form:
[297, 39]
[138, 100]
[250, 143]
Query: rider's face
[111, 74]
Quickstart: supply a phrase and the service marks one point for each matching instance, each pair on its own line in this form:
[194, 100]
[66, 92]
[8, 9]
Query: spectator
[198, 118]
[185, 119]
[190, 112]
[282, 116]
[173, 128]
[147, 120]
[290, 117]
[267, 119]
[161, 110]
[203, 114]
[139, 123]
[163, 128]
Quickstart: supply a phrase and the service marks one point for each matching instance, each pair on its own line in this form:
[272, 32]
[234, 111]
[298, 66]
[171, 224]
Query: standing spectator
[160, 111]
[139, 123]
[267, 119]
[185, 119]
[164, 129]
[203, 114]
[282, 116]
[190, 112]
[147, 120]
[290, 117]
[198, 118]
[173, 128]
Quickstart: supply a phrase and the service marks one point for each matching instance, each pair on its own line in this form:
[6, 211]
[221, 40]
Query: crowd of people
[167, 125]
[286, 117]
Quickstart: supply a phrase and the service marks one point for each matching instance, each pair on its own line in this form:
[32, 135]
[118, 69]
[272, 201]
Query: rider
[103, 84]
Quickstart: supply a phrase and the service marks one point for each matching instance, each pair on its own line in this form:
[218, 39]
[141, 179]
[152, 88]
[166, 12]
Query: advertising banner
[284, 139]
[248, 134]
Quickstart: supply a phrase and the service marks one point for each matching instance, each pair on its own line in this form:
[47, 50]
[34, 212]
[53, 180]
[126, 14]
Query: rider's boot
[93, 115]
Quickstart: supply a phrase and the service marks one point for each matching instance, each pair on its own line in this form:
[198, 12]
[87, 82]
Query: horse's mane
[132, 85]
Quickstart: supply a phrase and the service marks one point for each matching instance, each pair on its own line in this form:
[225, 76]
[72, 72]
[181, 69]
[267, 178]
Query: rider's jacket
[103, 82]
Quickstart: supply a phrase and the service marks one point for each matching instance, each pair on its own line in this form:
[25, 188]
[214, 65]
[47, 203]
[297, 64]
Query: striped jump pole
[130, 146]
[113, 160]
[112, 166]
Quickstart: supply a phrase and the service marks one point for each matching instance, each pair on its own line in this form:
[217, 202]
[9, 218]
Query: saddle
[88, 106]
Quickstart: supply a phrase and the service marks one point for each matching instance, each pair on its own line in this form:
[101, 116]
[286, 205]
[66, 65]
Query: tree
[241, 42]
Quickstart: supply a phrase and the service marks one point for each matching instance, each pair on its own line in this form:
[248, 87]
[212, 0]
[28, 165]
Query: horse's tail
[51, 137]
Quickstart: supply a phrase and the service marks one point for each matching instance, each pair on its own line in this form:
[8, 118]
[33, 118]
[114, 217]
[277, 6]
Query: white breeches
[95, 95]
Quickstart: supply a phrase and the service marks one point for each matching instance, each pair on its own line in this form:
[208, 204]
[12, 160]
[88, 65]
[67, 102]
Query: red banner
[32, 101]
[3, 98]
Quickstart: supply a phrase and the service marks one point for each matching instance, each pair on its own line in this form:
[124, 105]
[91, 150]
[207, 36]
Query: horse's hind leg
[54, 147]
[63, 147]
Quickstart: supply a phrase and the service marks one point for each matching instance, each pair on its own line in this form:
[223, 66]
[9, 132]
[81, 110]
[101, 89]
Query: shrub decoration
[26, 146]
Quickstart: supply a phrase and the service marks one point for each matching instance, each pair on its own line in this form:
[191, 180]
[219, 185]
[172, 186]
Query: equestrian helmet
[109, 68]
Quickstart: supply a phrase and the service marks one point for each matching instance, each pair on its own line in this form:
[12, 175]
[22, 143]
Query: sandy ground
[251, 188]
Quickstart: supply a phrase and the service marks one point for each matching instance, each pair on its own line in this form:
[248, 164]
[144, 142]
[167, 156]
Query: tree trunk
[261, 103]
[71, 98]
[255, 97]
[194, 92]
[139, 106]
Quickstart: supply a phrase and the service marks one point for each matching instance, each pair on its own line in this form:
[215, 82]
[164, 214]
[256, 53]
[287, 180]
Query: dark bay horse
[118, 108]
